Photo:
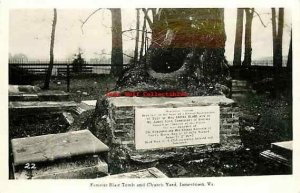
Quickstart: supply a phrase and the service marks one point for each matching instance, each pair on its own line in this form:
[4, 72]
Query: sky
[30, 30]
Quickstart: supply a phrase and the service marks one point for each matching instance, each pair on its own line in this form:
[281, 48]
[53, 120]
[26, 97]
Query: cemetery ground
[264, 120]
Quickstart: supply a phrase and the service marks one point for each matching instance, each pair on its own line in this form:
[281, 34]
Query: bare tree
[143, 38]
[49, 71]
[238, 37]
[117, 43]
[290, 54]
[277, 32]
[137, 37]
[248, 35]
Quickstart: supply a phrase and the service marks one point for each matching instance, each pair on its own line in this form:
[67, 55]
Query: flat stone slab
[90, 167]
[23, 97]
[276, 158]
[23, 89]
[90, 102]
[168, 101]
[51, 95]
[144, 173]
[83, 107]
[55, 146]
[40, 106]
[284, 148]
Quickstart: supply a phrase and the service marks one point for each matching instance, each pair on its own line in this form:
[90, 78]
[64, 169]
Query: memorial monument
[173, 105]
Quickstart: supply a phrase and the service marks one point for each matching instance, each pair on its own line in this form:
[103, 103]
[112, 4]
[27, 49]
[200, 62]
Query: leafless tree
[49, 71]
[137, 37]
[290, 54]
[238, 37]
[117, 43]
[248, 35]
[143, 38]
[277, 32]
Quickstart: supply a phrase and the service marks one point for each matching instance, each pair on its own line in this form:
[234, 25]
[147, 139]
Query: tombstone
[173, 105]
[280, 153]
[76, 154]
[34, 93]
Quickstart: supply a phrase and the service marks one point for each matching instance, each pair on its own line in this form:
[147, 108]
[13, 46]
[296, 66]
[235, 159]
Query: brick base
[121, 130]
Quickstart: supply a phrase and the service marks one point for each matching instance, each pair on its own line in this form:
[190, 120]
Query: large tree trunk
[238, 37]
[279, 35]
[248, 29]
[117, 45]
[187, 48]
[49, 71]
[290, 54]
[137, 37]
[274, 36]
[277, 32]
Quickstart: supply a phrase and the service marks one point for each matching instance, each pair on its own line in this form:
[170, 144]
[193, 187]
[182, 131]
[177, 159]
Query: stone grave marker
[77, 154]
[172, 127]
[146, 130]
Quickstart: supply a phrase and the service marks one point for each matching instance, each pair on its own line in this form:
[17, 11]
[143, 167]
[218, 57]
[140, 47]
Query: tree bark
[274, 36]
[49, 71]
[277, 32]
[279, 35]
[137, 37]
[290, 54]
[143, 38]
[238, 37]
[186, 53]
[117, 43]
[248, 29]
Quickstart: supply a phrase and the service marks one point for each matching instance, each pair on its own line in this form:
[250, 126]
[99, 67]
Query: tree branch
[110, 54]
[83, 22]
[261, 21]
[127, 55]
[136, 30]
[147, 17]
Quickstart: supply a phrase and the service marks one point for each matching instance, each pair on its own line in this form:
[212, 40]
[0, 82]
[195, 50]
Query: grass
[83, 87]
[274, 121]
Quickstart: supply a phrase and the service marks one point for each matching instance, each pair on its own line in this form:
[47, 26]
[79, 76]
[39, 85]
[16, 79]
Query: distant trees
[20, 57]
[78, 62]
[49, 71]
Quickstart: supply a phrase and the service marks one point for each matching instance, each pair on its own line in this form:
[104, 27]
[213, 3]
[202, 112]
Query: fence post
[68, 78]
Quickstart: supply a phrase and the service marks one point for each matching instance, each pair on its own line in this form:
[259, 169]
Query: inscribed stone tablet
[172, 127]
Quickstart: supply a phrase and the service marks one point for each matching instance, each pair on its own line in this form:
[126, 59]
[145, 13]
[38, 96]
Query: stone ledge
[168, 101]
[80, 168]
[52, 147]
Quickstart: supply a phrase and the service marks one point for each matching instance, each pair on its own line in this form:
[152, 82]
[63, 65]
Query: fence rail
[40, 68]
